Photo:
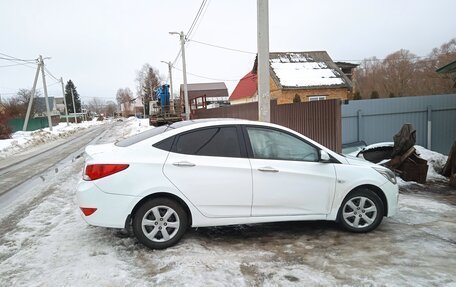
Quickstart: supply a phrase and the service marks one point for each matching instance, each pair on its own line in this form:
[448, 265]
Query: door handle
[184, 163]
[268, 169]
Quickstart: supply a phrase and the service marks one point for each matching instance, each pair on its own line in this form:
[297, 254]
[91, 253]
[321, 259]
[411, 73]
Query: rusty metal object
[405, 161]
[413, 168]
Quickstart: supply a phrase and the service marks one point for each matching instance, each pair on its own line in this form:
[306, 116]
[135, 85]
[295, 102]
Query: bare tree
[398, 72]
[16, 106]
[404, 74]
[110, 108]
[124, 98]
[148, 79]
[96, 106]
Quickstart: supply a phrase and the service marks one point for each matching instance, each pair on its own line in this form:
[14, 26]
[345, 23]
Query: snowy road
[44, 242]
[17, 169]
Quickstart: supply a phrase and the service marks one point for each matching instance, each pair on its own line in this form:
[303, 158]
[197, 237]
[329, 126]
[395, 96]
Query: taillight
[88, 210]
[96, 171]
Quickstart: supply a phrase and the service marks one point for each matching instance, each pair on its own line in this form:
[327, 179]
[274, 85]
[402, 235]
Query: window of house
[317, 98]
[274, 144]
[217, 141]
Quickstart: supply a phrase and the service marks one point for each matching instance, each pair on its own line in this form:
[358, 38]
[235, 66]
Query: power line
[51, 75]
[190, 30]
[195, 20]
[335, 60]
[19, 62]
[177, 57]
[14, 58]
[12, 65]
[198, 23]
[221, 47]
[215, 79]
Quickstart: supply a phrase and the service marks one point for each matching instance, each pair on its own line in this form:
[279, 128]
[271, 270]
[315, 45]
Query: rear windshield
[156, 131]
[142, 136]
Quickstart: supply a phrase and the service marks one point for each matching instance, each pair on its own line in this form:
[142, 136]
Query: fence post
[429, 127]
[359, 124]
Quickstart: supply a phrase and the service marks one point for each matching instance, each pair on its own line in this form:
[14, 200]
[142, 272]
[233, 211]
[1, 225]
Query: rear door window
[214, 141]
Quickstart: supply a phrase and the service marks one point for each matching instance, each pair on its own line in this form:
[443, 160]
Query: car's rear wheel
[160, 223]
[361, 211]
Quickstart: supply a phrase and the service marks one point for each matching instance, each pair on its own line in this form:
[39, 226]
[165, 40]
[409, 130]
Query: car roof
[162, 132]
[215, 121]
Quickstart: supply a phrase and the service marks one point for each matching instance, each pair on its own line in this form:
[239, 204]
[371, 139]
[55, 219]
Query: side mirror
[324, 156]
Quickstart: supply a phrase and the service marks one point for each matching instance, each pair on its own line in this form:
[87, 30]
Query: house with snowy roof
[296, 76]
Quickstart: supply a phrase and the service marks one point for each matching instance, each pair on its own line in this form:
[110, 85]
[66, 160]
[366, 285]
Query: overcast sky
[101, 44]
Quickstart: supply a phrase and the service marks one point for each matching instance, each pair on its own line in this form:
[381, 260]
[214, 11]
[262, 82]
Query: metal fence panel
[33, 124]
[319, 120]
[433, 117]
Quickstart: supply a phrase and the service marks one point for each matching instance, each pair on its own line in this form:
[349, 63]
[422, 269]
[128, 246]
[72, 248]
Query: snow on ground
[21, 141]
[135, 126]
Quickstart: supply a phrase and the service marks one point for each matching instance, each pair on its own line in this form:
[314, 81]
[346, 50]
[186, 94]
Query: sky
[100, 45]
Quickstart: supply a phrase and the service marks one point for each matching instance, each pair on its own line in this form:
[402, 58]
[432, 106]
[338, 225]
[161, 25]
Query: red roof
[246, 88]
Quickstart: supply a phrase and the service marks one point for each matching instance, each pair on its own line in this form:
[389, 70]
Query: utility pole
[64, 101]
[171, 98]
[74, 107]
[144, 109]
[46, 94]
[143, 97]
[184, 71]
[29, 108]
[264, 98]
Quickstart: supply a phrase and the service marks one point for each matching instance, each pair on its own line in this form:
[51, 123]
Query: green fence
[33, 124]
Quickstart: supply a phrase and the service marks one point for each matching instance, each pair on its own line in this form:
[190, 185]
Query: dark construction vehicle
[161, 111]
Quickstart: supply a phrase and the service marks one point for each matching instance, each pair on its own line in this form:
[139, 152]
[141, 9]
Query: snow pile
[135, 126]
[435, 160]
[22, 141]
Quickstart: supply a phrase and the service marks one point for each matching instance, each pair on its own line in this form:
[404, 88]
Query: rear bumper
[112, 209]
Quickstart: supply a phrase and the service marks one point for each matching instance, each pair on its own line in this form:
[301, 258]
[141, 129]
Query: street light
[184, 72]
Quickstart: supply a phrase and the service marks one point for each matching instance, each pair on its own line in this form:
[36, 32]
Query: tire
[361, 211]
[160, 223]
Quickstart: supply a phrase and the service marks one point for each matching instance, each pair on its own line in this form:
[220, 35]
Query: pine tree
[69, 100]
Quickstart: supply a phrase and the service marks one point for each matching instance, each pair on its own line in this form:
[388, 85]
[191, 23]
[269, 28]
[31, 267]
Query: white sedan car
[225, 171]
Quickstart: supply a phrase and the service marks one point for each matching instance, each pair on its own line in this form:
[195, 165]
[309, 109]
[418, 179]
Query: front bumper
[391, 192]
[112, 209]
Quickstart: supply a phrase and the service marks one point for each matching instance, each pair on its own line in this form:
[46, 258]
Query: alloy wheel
[160, 223]
[359, 212]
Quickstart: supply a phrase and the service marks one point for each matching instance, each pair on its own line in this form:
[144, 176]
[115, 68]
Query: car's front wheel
[160, 223]
[361, 211]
